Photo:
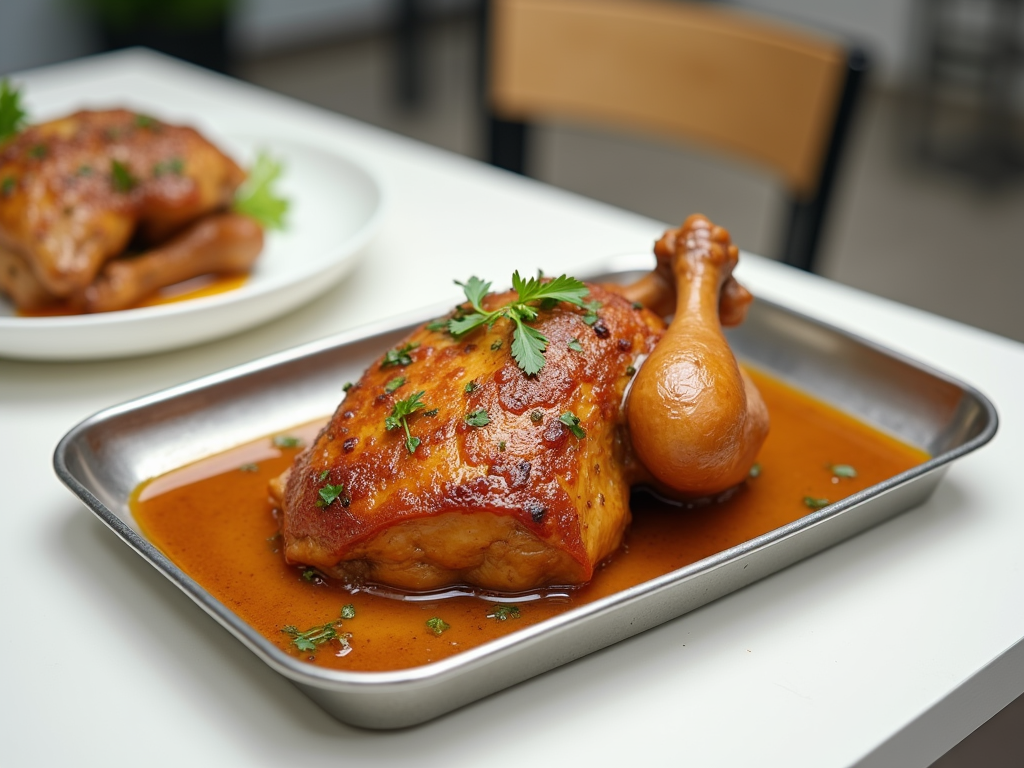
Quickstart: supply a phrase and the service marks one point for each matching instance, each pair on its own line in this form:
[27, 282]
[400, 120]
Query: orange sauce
[213, 519]
[204, 285]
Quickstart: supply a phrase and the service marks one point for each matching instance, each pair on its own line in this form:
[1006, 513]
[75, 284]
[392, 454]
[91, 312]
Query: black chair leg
[508, 144]
[807, 217]
[409, 54]
[801, 241]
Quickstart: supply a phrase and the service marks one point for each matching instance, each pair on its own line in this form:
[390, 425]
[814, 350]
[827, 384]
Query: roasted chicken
[447, 463]
[80, 191]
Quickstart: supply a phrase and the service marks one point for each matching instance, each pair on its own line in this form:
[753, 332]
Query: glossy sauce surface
[213, 519]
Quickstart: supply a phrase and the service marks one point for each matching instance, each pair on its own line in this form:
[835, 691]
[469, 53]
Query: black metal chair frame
[509, 148]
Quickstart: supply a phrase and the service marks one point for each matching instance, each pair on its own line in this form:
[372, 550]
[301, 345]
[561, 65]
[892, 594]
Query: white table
[885, 650]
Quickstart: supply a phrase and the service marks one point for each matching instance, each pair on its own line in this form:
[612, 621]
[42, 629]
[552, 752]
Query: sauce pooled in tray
[214, 520]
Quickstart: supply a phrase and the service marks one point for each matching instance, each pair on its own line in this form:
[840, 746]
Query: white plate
[336, 205]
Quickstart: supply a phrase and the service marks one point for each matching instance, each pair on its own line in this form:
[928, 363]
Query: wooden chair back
[767, 93]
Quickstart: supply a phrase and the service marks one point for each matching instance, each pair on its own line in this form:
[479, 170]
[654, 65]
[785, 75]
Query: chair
[773, 95]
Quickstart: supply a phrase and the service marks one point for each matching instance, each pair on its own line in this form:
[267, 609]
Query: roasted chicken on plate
[100, 209]
[496, 448]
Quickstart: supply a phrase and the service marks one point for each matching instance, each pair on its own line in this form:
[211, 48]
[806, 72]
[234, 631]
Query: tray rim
[307, 674]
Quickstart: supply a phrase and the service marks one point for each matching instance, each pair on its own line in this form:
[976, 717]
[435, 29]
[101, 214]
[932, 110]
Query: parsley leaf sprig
[12, 117]
[312, 638]
[399, 355]
[121, 177]
[257, 197]
[528, 344]
[309, 639]
[437, 625]
[572, 423]
[400, 418]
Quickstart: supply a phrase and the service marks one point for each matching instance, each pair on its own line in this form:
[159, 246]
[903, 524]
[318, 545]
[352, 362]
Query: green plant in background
[177, 14]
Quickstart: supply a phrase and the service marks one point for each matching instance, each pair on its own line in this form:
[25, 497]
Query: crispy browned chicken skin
[75, 192]
[527, 500]
[517, 503]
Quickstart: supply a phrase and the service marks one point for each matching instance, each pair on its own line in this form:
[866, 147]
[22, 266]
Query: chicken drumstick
[696, 419]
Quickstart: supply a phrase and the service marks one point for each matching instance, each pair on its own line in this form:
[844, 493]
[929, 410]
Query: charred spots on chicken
[624, 345]
[350, 444]
[520, 476]
[554, 435]
[537, 513]
[601, 329]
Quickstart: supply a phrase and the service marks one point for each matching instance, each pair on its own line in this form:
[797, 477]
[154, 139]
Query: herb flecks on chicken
[100, 209]
[522, 480]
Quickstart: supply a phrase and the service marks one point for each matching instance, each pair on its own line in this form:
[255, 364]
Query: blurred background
[928, 205]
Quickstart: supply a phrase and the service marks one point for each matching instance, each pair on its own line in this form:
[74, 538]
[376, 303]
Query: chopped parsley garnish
[842, 470]
[575, 346]
[145, 121]
[287, 441]
[346, 386]
[630, 370]
[528, 344]
[311, 638]
[501, 445]
[496, 345]
[394, 384]
[313, 575]
[399, 418]
[637, 305]
[12, 117]
[7, 185]
[504, 612]
[470, 387]
[814, 503]
[437, 325]
[536, 417]
[329, 493]
[121, 177]
[257, 197]
[478, 418]
[348, 611]
[437, 625]
[249, 468]
[399, 355]
[175, 165]
[572, 421]
[323, 475]
[755, 470]
[38, 151]
[591, 316]
[432, 412]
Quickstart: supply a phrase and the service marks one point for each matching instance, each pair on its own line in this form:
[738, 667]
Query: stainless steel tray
[105, 457]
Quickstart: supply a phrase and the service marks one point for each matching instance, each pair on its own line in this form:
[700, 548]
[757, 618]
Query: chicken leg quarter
[508, 481]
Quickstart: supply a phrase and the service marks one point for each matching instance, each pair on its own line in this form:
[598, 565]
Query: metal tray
[105, 457]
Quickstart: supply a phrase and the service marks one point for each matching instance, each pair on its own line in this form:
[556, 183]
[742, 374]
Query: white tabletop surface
[885, 650]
